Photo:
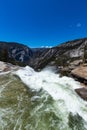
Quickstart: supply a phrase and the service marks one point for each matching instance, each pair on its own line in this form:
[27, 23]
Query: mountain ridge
[15, 53]
[38, 58]
[62, 54]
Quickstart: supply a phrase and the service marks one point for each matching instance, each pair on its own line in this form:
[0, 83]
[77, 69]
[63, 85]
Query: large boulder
[80, 73]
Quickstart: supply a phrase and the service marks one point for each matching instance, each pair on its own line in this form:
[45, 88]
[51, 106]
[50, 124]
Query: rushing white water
[49, 102]
[59, 88]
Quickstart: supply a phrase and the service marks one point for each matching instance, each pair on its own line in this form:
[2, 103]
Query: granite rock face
[80, 73]
[62, 55]
[15, 53]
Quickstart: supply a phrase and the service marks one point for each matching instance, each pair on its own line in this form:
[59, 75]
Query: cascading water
[44, 101]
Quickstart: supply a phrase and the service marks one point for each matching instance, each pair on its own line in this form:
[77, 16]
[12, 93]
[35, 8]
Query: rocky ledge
[80, 73]
[7, 67]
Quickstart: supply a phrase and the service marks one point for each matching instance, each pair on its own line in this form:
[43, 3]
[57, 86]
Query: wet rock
[65, 71]
[82, 92]
[5, 67]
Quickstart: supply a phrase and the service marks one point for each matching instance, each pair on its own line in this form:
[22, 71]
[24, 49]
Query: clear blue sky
[42, 22]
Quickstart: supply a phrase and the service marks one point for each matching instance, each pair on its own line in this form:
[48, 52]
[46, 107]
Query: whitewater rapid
[59, 88]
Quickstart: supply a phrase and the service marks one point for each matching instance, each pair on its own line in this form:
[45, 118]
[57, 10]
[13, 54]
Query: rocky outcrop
[80, 73]
[7, 67]
[82, 92]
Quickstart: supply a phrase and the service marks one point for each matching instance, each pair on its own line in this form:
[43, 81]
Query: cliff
[15, 53]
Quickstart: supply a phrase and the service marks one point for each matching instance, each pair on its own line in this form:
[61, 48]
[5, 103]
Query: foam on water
[60, 88]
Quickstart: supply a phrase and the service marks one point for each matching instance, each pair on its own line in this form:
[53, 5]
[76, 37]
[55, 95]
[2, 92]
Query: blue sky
[39, 23]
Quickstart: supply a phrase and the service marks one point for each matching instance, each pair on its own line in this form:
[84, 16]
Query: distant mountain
[60, 56]
[15, 53]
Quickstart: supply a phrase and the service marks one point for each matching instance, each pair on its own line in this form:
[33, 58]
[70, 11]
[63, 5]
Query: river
[43, 100]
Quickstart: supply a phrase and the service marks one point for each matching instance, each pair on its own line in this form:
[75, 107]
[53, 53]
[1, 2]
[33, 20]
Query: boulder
[82, 92]
[80, 73]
